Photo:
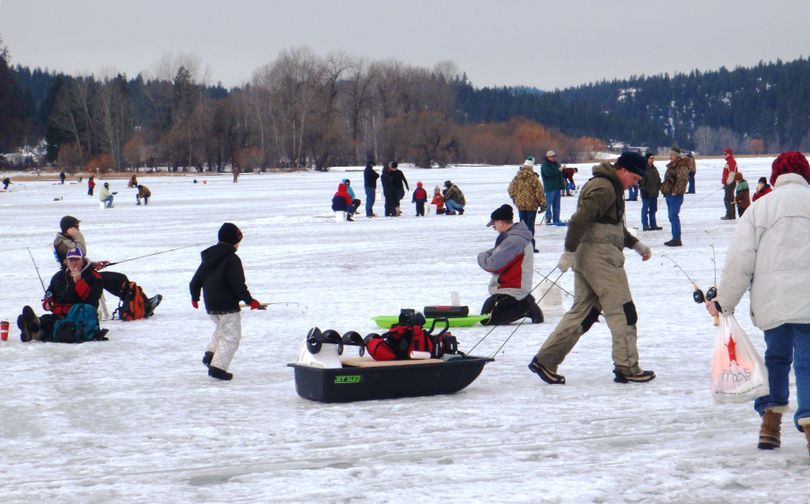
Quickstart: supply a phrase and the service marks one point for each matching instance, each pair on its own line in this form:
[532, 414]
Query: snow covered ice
[137, 419]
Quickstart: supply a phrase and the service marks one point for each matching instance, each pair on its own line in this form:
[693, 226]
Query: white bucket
[550, 297]
[340, 216]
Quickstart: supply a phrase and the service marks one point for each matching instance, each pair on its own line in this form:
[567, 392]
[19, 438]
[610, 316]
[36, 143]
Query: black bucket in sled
[362, 379]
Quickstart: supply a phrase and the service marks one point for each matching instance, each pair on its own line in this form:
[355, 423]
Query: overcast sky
[496, 42]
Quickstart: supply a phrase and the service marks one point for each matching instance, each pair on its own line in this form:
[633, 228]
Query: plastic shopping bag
[738, 372]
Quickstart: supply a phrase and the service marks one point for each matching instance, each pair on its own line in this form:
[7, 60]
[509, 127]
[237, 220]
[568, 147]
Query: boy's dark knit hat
[67, 222]
[632, 162]
[762, 180]
[502, 213]
[229, 234]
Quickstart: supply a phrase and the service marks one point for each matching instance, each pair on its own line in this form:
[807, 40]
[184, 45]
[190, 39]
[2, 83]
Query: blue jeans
[528, 217]
[632, 193]
[674, 210]
[553, 207]
[451, 205]
[371, 195]
[108, 201]
[783, 344]
[691, 189]
[648, 208]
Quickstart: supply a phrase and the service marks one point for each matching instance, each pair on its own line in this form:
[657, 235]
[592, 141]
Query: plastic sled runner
[385, 321]
[323, 374]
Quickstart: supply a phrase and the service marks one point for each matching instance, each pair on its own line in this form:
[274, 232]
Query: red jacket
[730, 167]
[343, 193]
[765, 190]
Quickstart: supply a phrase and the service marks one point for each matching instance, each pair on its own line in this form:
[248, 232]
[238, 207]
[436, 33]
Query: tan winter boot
[770, 430]
[805, 424]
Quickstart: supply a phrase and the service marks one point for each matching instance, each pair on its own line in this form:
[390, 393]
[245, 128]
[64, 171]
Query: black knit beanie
[229, 234]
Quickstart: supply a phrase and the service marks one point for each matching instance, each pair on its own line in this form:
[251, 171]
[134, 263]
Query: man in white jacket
[769, 255]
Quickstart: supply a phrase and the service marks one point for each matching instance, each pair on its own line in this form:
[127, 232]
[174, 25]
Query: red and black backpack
[133, 303]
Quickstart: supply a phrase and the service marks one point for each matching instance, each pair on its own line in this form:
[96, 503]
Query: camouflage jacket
[526, 190]
[676, 178]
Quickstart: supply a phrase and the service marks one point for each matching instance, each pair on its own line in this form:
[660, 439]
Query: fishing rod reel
[697, 294]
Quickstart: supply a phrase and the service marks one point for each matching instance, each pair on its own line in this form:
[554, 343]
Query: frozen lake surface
[137, 419]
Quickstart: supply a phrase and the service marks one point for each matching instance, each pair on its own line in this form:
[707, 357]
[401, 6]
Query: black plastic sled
[323, 373]
[363, 379]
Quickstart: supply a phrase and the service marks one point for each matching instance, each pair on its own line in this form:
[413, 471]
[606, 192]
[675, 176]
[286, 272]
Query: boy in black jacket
[222, 280]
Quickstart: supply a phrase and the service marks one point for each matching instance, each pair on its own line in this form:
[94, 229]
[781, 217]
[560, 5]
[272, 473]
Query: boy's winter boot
[219, 374]
[151, 304]
[643, 377]
[207, 358]
[770, 430]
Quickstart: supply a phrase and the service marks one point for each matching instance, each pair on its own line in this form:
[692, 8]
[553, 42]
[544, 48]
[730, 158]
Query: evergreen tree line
[754, 110]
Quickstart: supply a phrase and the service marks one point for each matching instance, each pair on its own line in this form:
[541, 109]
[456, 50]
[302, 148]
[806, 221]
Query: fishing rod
[523, 319]
[37, 268]
[263, 306]
[156, 253]
[697, 294]
[495, 326]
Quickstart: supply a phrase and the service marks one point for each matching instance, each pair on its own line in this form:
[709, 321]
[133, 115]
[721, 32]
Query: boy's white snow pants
[225, 339]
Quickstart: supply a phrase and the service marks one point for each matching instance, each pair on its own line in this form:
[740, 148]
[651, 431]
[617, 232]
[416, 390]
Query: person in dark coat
[400, 184]
[77, 283]
[387, 181]
[6, 183]
[650, 186]
[62, 177]
[370, 182]
[221, 278]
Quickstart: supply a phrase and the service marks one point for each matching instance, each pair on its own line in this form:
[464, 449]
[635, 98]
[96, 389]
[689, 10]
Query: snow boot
[770, 430]
[349, 217]
[643, 377]
[102, 335]
[151, 304]
[673, 243]
[219, 374]
[461, 211]
[28, 323]
[544, 373]
[207, 358]
[536, 314]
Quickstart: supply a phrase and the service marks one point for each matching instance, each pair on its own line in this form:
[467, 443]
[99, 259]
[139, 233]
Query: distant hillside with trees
[754, 110]
[307, 110]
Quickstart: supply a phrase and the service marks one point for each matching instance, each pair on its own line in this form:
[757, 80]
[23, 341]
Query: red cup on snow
[4, 330]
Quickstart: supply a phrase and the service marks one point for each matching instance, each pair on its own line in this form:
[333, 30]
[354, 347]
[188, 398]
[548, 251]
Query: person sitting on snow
[342, 202]
[117, 284]
[355, 201]
[6, 183]
[77, 283]
[511, 263]
[105, 195]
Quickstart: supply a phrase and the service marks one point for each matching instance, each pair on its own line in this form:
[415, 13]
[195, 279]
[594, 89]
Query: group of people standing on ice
[448, 201]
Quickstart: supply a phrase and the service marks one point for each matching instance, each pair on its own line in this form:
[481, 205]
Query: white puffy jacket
[770, 253]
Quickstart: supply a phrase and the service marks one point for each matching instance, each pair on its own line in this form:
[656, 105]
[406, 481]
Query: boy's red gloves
[195, 304]
[255, 304]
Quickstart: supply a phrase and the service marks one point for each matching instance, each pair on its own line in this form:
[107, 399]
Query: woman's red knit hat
[790, 162]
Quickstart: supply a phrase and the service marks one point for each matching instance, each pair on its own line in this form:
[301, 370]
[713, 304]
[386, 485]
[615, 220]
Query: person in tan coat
[593, 248]
[676, 179]
[527, 193]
